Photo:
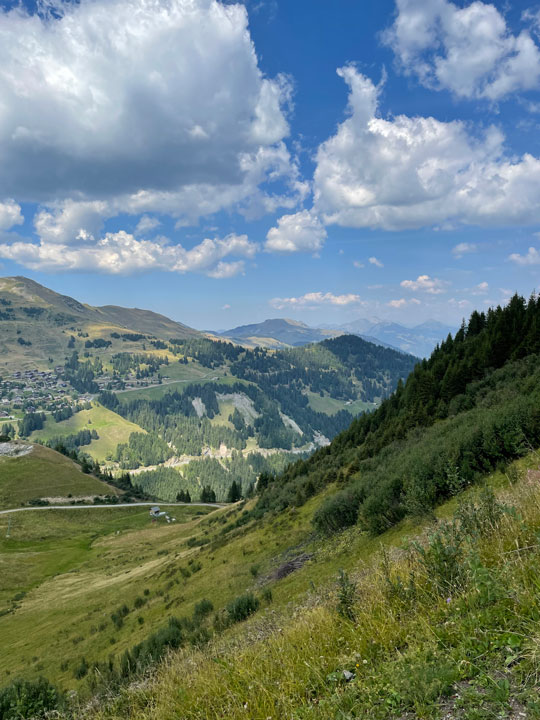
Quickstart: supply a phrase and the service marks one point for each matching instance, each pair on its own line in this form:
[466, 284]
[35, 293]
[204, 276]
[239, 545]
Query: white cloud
[226, 269]
[146, 224]
[397, 304]
[432, 286]
[481, 288]
[467, 50]
[77, 135]
[301, 232]
[414, 172]
[531, 258]
[10, 214]
[459, 304]
[226, 307]
[122, 253]
[311, 301]
[374, 261]
[358, 264]
[464, 248]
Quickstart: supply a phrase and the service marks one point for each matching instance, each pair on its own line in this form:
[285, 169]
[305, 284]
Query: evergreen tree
[235, 493]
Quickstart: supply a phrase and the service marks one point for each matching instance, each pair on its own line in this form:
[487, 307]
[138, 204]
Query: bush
[29, 699]
[337, 512]
[346, 596]
[202, 609]
[242, 607]
[81, 670]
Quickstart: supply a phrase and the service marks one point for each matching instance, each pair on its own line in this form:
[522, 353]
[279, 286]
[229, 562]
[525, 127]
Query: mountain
[357, 583]
[279, 332]
[419, 340]
[36, 324]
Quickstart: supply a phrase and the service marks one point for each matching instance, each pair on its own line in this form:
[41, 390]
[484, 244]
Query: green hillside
[44, 473]
[110, 427]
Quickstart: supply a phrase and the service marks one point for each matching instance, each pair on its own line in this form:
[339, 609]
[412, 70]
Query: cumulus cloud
[432, 286]
[313, 300]
[358, 264]
[301, 232]
[77, 81]
[413, 172]
[121, 253]
[468, 50]
[531, 258]
[374, 261]
[10, 215]
[461, 249]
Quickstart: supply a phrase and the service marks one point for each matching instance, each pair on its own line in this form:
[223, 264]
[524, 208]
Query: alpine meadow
[269, 360]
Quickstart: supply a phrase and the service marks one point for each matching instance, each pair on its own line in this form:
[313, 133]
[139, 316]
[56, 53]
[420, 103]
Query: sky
[224, 162]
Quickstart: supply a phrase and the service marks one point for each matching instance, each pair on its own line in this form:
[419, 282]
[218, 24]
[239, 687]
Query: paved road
[116, 505]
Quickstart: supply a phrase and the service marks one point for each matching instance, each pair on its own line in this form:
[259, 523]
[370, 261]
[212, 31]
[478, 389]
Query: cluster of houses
[32, 390]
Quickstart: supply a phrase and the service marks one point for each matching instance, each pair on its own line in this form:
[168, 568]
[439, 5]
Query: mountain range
[419, 340]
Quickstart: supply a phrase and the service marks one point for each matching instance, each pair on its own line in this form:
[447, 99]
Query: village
[32, 390]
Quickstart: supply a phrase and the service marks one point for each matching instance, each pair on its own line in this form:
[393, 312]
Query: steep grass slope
[44, 473]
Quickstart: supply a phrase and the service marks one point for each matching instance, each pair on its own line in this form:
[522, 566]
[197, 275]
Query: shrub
[337, 512]
[346, 595]
[29, 699]
[242, 607]
[81, 670]
[202, 609]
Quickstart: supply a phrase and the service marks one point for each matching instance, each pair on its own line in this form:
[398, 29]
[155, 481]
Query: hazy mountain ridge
[419, 340]
[281, 330]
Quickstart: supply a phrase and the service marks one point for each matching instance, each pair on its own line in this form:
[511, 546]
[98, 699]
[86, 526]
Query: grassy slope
[111, 428]
[44, 473]
[76, 567]
[467, 651]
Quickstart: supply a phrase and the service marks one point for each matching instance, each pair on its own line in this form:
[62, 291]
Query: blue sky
[226, 163]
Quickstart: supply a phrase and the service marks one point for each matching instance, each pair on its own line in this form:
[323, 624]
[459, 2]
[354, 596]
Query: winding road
[112, 505]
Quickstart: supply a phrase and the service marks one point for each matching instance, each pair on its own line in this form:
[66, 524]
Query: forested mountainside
[272, 408]
[472, 406]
